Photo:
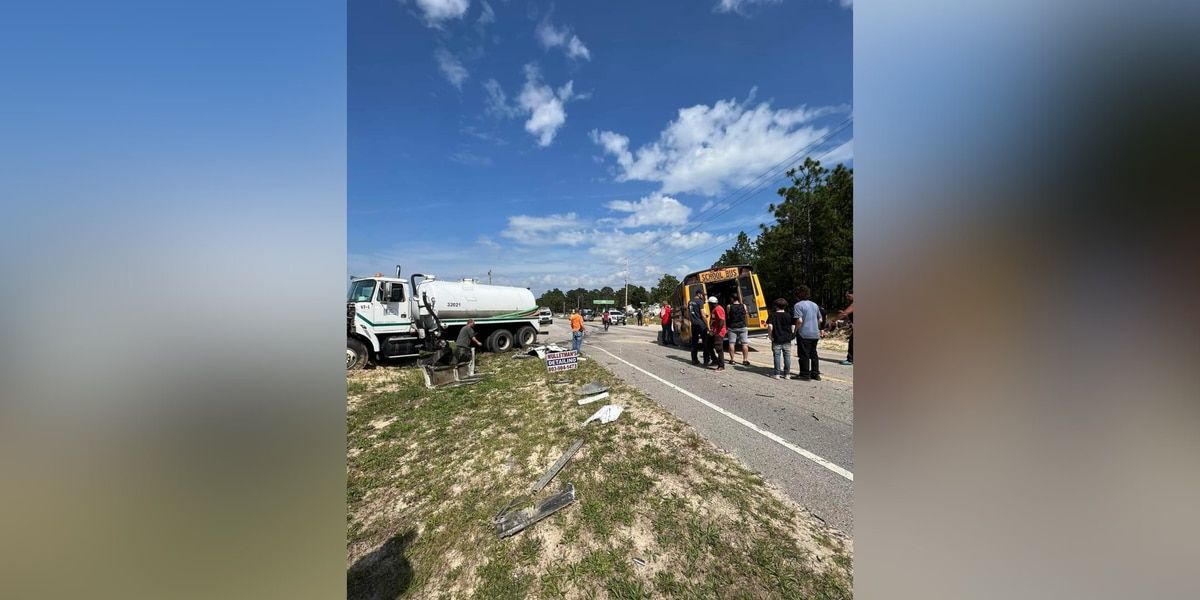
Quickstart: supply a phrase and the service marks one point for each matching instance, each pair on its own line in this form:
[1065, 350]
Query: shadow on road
[384, 573]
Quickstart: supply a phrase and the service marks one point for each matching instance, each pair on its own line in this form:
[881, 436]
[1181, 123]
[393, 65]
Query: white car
[617, 316]
[545, 316]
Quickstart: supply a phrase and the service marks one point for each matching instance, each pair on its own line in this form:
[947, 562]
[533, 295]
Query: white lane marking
[786, 444]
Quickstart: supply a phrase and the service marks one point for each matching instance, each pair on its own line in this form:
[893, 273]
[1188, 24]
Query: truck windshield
[361, 291]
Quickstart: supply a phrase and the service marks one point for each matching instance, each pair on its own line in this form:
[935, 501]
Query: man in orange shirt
[576, 330]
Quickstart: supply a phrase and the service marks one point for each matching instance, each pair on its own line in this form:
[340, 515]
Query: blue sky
[551, 142]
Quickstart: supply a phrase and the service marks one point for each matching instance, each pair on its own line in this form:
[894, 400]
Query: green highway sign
[604, 301]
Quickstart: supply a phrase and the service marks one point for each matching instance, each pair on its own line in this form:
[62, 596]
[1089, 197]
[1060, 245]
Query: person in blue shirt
[807, 316]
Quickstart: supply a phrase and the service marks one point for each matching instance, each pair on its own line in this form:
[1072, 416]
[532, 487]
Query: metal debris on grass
[606, 414]
[591, 399]
[557, 466]
[594, 387]
[509, 522]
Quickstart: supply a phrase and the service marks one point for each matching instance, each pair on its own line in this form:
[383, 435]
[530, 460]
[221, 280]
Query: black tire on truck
[356, 354]
[501, 340]
[526, 337]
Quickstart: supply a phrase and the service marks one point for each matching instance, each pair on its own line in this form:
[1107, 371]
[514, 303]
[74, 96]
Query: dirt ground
[660, 512]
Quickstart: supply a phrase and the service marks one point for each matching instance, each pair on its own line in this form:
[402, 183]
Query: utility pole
[626, 285]
[489, 277]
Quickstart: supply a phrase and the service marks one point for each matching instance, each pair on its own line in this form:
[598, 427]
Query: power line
[680, 254]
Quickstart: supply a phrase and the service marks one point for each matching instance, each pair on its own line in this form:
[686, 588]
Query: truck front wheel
[501, 340]
[526, 337]
[356, 354]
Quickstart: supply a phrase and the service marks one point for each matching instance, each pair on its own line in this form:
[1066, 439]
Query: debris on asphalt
[509, 522]
[591, 399]
[557, 466]
[606, 414]
[594, 387]
[766, 395]
[814, 415]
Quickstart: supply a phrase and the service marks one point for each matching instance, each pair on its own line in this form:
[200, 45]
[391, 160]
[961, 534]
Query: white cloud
[496, 103]
[466, 157]
[736, 6]
[709, 149]
[550, 230]
[613, 244]
[452, 68]
[561, 37]
[487, 16]
[655, 209]
[438, 11]
[544, 106]
[484, 135]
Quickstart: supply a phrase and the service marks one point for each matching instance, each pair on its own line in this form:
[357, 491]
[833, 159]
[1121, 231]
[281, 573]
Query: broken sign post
[562, 361]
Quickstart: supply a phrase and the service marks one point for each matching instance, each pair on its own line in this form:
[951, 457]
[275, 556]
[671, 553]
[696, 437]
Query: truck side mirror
[385, 291]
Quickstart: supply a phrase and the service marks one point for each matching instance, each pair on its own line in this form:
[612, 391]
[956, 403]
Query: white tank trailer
[394, 317]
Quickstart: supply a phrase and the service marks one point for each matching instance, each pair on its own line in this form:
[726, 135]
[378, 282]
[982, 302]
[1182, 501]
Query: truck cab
[392, 317]
[381, 321]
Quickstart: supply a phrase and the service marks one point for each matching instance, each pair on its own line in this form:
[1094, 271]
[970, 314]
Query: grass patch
[436, 465]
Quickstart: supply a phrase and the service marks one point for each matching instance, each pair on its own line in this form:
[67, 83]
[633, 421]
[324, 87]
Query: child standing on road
[781, 331]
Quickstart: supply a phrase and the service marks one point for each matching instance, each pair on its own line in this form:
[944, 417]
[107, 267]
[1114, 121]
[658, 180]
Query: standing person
[667, 335]
[807, 317]
[639, 316]
[739, 333]
[465, 341]
[848, 315]
[576, 330]
[781, 330]
[699, 327]
[717, 331]
[606, 318]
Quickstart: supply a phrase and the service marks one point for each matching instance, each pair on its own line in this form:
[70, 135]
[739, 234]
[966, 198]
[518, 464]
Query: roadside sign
[561, 361]
[604, 301]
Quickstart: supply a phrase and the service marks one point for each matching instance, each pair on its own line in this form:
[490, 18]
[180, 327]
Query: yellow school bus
[726, 283]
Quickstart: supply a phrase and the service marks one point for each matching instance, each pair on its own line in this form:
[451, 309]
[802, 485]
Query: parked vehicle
[545, 317]
[390, 317]
[618, 317]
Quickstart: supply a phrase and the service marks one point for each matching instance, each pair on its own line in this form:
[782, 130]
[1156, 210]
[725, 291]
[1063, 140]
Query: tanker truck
[391, 317]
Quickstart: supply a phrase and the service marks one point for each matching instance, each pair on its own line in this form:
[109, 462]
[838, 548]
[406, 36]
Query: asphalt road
[797, 434]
